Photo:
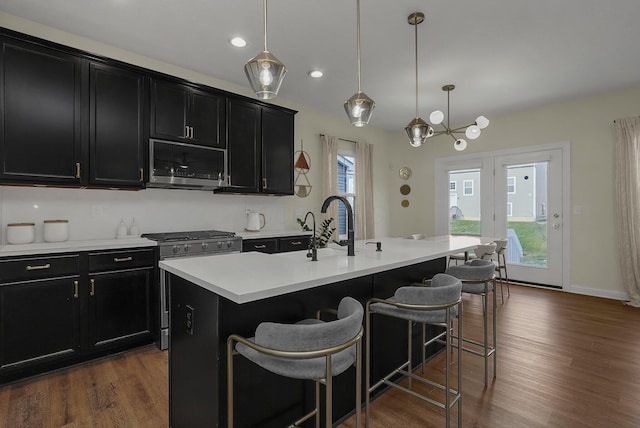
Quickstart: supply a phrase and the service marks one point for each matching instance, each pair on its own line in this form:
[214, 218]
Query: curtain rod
[341, 139]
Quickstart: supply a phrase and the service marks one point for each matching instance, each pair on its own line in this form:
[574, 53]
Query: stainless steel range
[188, 244]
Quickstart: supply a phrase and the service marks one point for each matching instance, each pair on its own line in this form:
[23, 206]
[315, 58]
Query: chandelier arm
[460, 129]
[264, 8]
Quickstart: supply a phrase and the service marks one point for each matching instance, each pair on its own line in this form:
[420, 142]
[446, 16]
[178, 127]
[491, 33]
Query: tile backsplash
[96, 213]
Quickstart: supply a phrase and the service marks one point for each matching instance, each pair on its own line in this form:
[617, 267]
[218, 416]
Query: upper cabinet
[69, 120]
[117, 131]
[41, 121]
[183, 113]
[260, 150]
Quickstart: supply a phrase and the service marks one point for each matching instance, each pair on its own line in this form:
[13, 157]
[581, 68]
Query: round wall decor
[405, 172]
[404, 203]
[405, 189]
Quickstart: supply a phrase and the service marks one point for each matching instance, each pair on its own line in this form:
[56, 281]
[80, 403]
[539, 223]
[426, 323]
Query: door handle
[40, 267]
[93, 288]
[75, 289]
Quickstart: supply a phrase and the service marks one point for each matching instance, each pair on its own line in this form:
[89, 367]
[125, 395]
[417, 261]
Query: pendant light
[264, 71]
[359, 107]
[417, 130]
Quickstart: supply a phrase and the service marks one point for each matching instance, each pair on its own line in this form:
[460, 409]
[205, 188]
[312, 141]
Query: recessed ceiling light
[238, 42]
[316, 74]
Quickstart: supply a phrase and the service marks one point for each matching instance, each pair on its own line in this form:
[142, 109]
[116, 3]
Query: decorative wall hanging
[405, 172]
[405, 189]
[301, 184]
[404, 203]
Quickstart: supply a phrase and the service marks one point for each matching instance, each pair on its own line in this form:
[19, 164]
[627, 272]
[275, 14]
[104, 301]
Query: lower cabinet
[276, 245]
[55, 311]
[120, 297]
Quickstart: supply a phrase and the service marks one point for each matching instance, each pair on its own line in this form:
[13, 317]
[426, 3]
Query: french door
[521, 195]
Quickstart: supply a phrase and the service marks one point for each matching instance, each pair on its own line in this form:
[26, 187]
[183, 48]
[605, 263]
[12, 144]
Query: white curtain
[364, 191]
[330, 178]
[628, 204]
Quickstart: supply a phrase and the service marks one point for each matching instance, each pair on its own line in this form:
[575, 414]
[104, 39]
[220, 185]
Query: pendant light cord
[357, 39]
[416, 27]
[264, 10]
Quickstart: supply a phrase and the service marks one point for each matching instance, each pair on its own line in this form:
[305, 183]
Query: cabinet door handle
[93, 288]
[141, 174]
[264, 183]
[259, 247]
[75, 289]
[77, 169]
[229, 180]
[296, 243]
[122, 259]
[192, 137]
[39, 267]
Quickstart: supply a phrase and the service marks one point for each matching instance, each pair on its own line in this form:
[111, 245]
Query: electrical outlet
[189, 319]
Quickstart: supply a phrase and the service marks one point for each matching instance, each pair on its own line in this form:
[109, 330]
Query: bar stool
[478, 277]
[483, 251]
[501, 265]
[436, 305]
[310, 350]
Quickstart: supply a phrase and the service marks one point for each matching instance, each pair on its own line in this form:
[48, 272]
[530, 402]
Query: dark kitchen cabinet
[120, 296]
[117, 130]
[276, 245]
[277, 151]
[57, 310]
[39, 311]
[260, 148]
[69, 120]
[41, 95]
[183, 113]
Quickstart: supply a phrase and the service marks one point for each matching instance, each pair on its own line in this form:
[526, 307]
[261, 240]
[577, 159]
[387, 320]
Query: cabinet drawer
[294, 243]
[39, 267]
[121, 259]
[269, 246]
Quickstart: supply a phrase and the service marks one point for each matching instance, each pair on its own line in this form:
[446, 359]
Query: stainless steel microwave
[186, 166]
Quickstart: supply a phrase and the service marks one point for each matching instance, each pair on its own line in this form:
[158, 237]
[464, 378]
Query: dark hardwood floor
[564, 360]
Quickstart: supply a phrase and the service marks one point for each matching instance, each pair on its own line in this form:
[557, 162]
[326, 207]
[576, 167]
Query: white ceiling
[502, 55]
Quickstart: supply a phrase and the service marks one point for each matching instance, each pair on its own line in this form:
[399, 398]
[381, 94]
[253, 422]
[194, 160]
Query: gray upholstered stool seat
[310, 350]
[435, 305]
[478, 277]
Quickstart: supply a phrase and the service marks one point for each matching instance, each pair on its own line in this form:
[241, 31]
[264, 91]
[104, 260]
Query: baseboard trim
[607, 294]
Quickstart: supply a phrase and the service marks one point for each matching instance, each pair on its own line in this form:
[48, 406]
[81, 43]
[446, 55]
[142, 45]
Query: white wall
[96, 213]
[587, 123]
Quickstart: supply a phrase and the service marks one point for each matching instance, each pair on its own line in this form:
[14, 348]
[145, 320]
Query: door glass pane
[464, 202]
[526, 189]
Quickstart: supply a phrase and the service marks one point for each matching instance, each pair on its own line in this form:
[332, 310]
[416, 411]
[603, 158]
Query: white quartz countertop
[247, 277]
[73, 246]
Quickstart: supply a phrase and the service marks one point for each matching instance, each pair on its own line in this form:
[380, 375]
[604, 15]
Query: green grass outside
[532, 236]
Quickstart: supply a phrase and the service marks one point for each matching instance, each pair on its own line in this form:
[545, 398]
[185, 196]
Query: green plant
[323, 234]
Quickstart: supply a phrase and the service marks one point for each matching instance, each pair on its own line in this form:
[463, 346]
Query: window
[467, 186]
[509, 209]
[346, 186]
[511, 185]
[453, 186]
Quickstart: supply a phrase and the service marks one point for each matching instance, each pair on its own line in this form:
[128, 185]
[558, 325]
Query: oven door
[186, 166]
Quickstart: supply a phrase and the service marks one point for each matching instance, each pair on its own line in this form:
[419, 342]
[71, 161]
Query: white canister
[21, 233]
[55, 230]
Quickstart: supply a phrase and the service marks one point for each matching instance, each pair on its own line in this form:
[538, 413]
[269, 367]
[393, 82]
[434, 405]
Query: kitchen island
[213, 297]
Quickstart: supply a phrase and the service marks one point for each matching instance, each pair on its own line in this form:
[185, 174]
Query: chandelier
[471, 131]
